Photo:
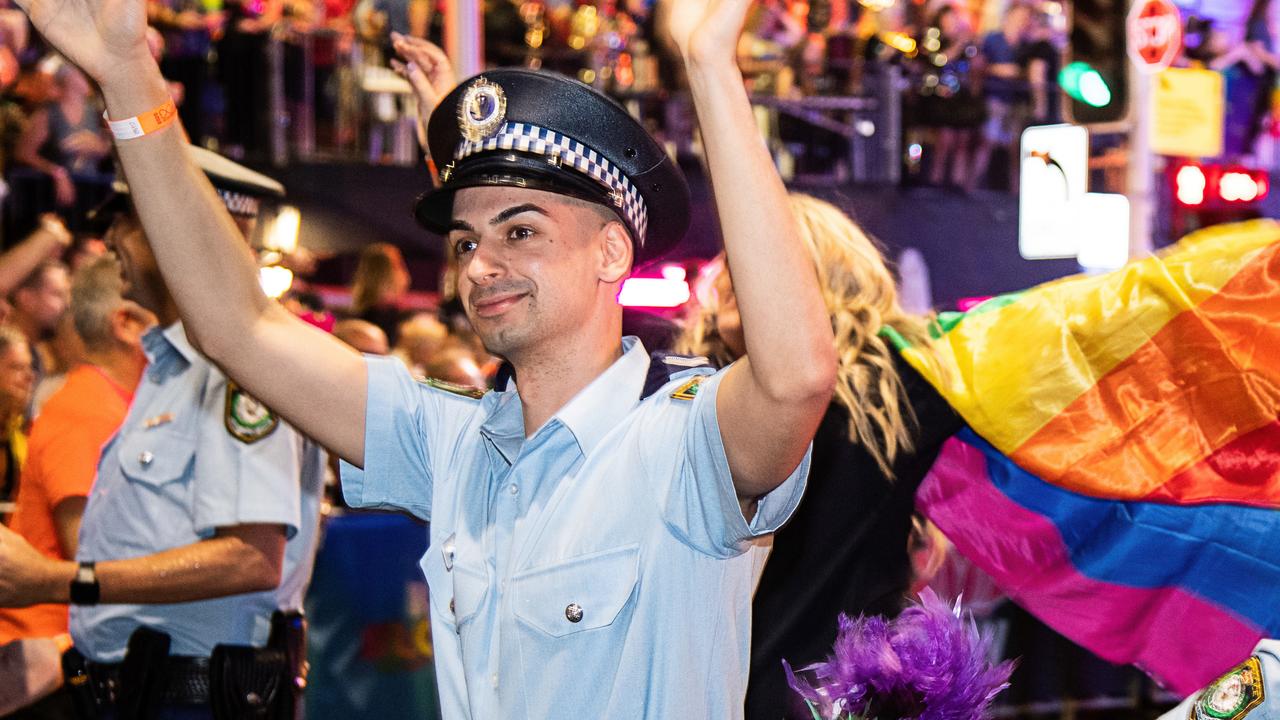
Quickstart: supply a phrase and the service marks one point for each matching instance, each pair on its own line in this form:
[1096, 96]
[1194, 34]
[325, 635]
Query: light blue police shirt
[601, 568]
[172, 475]
[1249, 691]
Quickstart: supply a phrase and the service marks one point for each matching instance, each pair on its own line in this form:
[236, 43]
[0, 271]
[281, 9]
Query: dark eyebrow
[511, 212]
[461, 225]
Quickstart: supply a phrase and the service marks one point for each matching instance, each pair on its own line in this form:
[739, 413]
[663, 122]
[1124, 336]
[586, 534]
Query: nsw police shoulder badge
[453, 388]
[1232, 696]
[247, 419]
[689, 390]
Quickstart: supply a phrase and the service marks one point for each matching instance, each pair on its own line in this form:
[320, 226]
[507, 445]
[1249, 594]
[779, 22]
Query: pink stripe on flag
[1178, 638]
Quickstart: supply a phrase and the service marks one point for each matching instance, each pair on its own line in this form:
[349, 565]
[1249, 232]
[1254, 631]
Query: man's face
[143, 283]
[16, 375]
[47, 300]
[529, 264]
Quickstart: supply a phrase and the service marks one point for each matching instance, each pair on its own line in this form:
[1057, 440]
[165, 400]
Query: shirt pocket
[456, 590]
[155, 458]
[573, 596]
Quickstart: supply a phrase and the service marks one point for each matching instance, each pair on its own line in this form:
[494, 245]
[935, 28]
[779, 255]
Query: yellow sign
[1186, 113]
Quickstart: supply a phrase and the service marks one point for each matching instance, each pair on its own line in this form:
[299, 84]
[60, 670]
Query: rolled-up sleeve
[701, 505]
[405, 422]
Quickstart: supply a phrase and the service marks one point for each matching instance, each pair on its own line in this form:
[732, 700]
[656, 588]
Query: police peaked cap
[242, 190]
[539, 130]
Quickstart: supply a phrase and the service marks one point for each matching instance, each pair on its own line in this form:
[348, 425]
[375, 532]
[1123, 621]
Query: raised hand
[106, 38]
[706, 29]
[427, 69]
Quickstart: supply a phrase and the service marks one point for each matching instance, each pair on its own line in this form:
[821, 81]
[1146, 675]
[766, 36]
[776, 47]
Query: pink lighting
[663, 292]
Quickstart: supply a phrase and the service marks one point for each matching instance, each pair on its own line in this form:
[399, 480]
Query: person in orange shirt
[68, 436]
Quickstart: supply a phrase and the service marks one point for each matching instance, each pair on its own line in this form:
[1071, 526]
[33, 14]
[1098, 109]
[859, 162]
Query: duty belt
[186, 681]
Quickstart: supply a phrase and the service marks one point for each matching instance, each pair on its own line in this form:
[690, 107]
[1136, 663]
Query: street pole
[1141, 181]
[464, 36]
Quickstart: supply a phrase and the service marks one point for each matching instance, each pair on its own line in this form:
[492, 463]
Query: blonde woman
[846, 547]
[380, 283]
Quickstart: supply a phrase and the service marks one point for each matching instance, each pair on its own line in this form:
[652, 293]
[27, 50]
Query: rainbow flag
[1121, 476]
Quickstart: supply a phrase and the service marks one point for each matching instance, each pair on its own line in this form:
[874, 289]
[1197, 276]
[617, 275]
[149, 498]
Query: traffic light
[1207, 194]
[1096, 75]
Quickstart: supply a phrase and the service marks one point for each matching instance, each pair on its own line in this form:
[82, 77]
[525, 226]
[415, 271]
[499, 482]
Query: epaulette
[455, 389]
[665, 367]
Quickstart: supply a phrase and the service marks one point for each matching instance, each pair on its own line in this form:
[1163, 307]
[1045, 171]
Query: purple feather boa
[929, 663]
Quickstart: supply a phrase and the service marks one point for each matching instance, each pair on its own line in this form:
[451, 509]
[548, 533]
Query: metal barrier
[373, 109]
[871, 124]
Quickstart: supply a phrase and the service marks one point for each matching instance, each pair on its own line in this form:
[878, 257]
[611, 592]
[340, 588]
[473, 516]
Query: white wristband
[152, 121]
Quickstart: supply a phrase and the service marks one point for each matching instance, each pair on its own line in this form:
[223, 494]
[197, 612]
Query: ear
[127, 327]
[616, 252]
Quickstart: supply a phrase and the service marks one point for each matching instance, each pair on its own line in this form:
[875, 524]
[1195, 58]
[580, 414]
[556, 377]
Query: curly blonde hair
[862, 298]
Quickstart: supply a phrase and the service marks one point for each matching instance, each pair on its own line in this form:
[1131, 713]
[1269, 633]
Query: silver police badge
[482, 110]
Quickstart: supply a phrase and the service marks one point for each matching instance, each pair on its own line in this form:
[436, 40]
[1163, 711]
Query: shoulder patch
[247, 419]
[454, 388]
[689, 390]
[1232, 696]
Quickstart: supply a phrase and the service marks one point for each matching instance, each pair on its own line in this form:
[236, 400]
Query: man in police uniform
[202, 519]
[591, 552]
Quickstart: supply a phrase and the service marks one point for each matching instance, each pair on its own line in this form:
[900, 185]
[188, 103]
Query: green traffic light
[1085, 84]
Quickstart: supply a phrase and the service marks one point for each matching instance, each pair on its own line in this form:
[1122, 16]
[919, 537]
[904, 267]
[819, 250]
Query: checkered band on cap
[239, 203]
[563, 150]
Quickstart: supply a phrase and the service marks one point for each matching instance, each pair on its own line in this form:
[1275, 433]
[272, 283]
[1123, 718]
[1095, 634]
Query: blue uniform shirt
[600, 568]
[172, 475]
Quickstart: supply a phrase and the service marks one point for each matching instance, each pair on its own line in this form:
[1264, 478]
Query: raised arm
[49, 239]
[311, 379]
[770, 403]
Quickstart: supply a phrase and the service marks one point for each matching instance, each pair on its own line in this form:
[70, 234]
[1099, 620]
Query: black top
[843, 551]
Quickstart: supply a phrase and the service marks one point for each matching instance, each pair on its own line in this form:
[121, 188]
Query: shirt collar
[589, 416]
[600, 406]
[166, 346]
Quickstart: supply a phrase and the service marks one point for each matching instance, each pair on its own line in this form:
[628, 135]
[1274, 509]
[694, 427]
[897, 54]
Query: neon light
[653, 292]
[674, 272]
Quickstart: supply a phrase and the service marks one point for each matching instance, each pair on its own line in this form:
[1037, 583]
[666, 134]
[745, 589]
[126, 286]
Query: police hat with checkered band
[242, 190]
[542, 131]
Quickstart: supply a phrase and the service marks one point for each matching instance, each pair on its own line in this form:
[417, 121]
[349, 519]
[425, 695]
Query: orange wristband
[151, 121]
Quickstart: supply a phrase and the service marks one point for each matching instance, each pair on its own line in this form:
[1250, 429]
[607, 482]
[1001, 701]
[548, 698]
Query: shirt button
[573, 613]
[514, 489]
[145, 458]
[495, 681]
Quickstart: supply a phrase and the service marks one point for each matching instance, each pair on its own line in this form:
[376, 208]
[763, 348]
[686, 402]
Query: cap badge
[482, 110]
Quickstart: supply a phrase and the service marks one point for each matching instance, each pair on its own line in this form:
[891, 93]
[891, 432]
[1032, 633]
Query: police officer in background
[200, 528]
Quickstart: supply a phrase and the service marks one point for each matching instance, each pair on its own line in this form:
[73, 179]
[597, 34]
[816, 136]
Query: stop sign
[1154, 30]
